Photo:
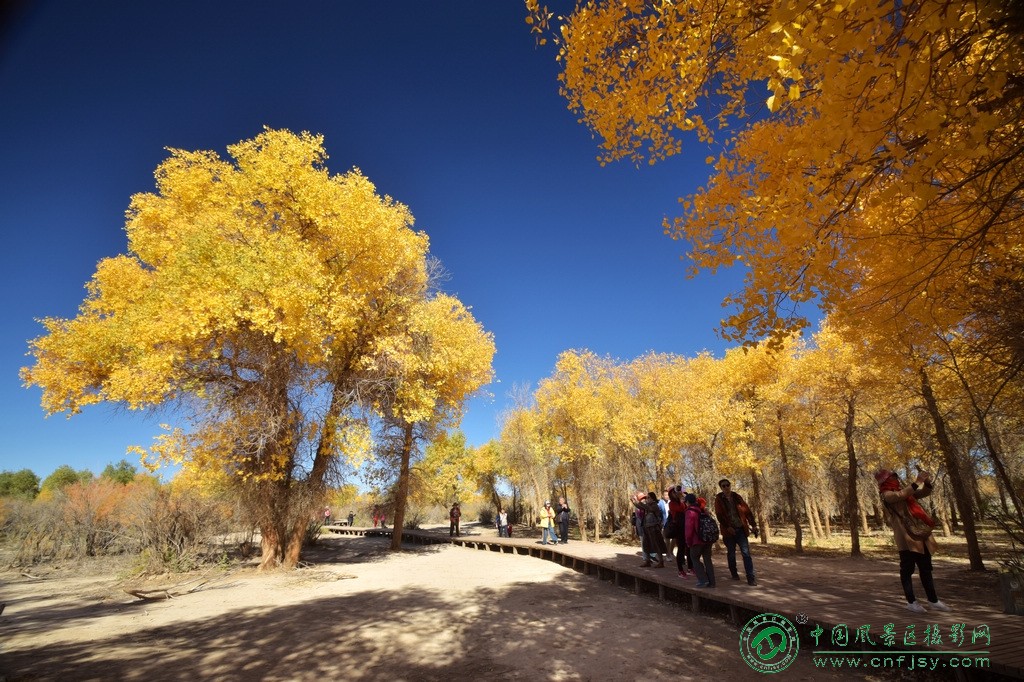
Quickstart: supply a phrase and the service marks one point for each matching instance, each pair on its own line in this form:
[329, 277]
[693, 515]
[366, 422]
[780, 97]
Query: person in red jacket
[737, 523]
[453, 516]
[912, 532]
[674, 529]
[700, 551]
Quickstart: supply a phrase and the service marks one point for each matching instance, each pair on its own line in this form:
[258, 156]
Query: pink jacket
[692, 516]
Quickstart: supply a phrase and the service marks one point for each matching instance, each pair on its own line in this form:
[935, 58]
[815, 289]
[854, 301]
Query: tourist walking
[700, 551]
[652, 529]
[912, 530]
[454, 514]
[737, 523]
[502, 523]
[563, 520]
[674, 529]
[663, 506]
[547, 524]
[638, 528]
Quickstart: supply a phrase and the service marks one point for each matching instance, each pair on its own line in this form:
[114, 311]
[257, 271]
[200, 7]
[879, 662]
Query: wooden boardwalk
[809, 591]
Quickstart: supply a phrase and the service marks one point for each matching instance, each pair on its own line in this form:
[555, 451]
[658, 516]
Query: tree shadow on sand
[410, 634]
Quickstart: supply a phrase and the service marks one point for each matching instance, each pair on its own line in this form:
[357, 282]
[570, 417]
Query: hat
[882, 475]
[547, 503]
[702, 502]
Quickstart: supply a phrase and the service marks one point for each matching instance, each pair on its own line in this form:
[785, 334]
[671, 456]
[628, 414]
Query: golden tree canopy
[880, 173]
[230, 262]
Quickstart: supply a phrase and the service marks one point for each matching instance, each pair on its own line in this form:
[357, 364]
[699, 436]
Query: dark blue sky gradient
[449, 107]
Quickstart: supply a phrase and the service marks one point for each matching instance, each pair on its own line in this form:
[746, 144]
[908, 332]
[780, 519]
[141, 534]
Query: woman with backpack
[700, 550]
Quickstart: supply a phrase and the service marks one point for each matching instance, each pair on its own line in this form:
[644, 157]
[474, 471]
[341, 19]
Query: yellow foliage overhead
[879, 173]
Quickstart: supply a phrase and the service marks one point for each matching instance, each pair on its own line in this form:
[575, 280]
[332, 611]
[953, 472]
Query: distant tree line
[26, 484]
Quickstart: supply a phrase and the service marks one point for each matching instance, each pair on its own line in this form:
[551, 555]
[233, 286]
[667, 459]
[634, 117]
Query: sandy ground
[360, 612]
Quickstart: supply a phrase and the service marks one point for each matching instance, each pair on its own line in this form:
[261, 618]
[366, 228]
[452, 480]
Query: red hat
[702, 502]
[882, 475]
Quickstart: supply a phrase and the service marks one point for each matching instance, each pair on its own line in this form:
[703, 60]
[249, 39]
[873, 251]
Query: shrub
[170, 529]
[624, 536]
[413, 520]
[312, 534]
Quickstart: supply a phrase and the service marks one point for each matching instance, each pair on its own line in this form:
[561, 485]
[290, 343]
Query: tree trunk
[790, 495]
[864, 528]
[818, 514]
[877, 513]
[270, 546]
[402, 495]
[270, 498]
[995, 455]
[1002, 497]
[826, 518]
[811, 521]
[971, 473]
[659, 470]
[495, 498]
[853, 504]
[960, 490]
[954, 520]
[293, 550]
[762, 520]
[583, 513]
[284, 515]
[1005, 483]
[944, 520]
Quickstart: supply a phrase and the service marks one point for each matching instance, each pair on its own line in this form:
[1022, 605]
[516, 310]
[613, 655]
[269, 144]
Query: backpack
[914, 527]
[707, 527]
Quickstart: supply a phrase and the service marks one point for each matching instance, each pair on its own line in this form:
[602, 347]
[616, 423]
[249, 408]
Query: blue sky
[449, 107]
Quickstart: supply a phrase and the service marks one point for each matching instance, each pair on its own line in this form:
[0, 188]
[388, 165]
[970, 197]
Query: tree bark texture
[762, 520]
[402, 495]
[790, 495]
[961, 492]
[854, 508]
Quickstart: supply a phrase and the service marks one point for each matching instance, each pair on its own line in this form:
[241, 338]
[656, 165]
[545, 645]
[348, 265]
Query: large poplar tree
[262, 295]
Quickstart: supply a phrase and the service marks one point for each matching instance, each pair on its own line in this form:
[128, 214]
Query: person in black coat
[562, 514]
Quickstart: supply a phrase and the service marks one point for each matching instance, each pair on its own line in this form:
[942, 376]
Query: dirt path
[362, 613]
